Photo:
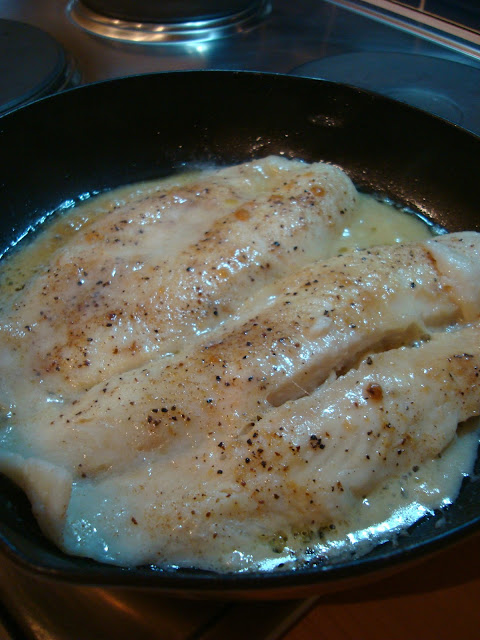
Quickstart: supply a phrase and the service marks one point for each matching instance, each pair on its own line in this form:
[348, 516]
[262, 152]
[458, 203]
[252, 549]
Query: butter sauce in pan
[86, 145]
[238, 369]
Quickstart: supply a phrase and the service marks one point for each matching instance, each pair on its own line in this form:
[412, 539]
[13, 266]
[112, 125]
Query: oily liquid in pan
[389, 509]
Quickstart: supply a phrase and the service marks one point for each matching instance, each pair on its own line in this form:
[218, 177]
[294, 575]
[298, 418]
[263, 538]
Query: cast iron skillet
[109, 134]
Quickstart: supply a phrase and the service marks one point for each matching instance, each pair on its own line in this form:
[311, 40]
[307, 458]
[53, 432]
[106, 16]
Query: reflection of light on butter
[379, 220]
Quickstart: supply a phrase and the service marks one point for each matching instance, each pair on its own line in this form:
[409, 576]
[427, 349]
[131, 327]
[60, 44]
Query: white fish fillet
[153, 274]
[355, 369]
[302, 468]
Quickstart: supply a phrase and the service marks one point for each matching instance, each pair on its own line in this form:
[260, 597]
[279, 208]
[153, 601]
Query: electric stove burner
[171, 21]
[447, 89]
[32, 65]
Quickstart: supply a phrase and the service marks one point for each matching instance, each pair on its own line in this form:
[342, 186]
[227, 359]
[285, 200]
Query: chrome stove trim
[416, 23]
[167, 33]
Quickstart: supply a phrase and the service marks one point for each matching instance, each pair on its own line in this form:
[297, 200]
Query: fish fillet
[155, 273]
[303, 468]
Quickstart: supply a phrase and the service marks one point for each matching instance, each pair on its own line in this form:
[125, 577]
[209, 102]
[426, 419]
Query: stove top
[107, 39]
[426, 53]
[49, 69]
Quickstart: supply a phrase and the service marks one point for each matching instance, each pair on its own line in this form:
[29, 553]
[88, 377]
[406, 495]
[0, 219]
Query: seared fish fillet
[355, 369]
[152, 275]
[302, 469]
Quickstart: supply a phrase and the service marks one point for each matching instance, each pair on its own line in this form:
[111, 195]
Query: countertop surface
[435, 599]
[438, 598]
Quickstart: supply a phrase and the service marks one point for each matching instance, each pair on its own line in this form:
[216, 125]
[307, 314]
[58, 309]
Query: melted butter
[377, 222]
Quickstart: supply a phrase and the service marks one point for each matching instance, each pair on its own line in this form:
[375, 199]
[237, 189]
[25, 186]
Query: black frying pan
[109, 134]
